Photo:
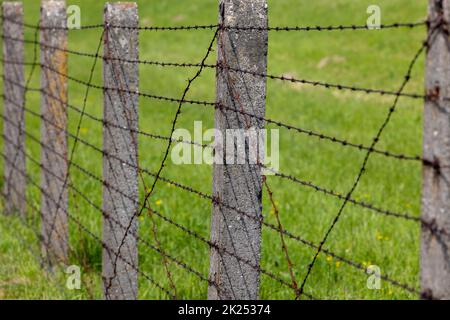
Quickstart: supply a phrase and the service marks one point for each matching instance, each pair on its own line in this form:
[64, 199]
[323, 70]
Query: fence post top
[244, 13]
[122, 14]
[13, 5]
[53, 2]
[120, 5]
[53, 14]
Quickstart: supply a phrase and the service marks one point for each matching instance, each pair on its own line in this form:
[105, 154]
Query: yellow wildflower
[158, 202]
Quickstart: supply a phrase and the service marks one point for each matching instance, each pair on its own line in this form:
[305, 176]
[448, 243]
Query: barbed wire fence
[236, 200]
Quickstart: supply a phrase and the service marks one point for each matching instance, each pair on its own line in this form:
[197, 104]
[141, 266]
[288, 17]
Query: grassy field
[373, 59]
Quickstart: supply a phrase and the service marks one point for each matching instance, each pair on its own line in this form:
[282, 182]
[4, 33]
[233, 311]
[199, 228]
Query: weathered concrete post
[120, 111]
[55, 202]
[14, 91]
[435, 251]
[236, 183]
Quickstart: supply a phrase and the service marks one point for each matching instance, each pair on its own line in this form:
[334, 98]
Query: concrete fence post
[435, 251]
[54, 204]
[238, 184]
[120, 112]
[435, 246]
[13, 90]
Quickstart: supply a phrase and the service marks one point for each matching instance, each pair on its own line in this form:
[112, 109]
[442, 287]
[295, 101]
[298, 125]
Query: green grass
[374, 59]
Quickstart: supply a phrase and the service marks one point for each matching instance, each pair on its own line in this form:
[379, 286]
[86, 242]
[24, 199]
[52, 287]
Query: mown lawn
[373, 59]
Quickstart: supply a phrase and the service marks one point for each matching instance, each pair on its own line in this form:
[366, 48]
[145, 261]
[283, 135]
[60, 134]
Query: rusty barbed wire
[44, 262]
[406, 216]
[376, 139]
[30, 180]
[163, 217]
[278, 228]
[314, 83]
[93, 176]
[307, 132]
[356, 265]
[309, 184]
[341, 27]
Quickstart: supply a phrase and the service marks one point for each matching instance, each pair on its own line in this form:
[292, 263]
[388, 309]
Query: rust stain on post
[55, 202]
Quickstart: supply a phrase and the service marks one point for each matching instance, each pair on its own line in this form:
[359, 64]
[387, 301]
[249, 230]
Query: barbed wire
[356, 265]
[320, 136]
[164, 217]
[406, 216]
[341, 27]
[93, 176]
[110, 250]
[150, 191]
[221, 203]
[279, 174]
[369, 149]
[44, 261]
[376, 139]
[314, 83]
